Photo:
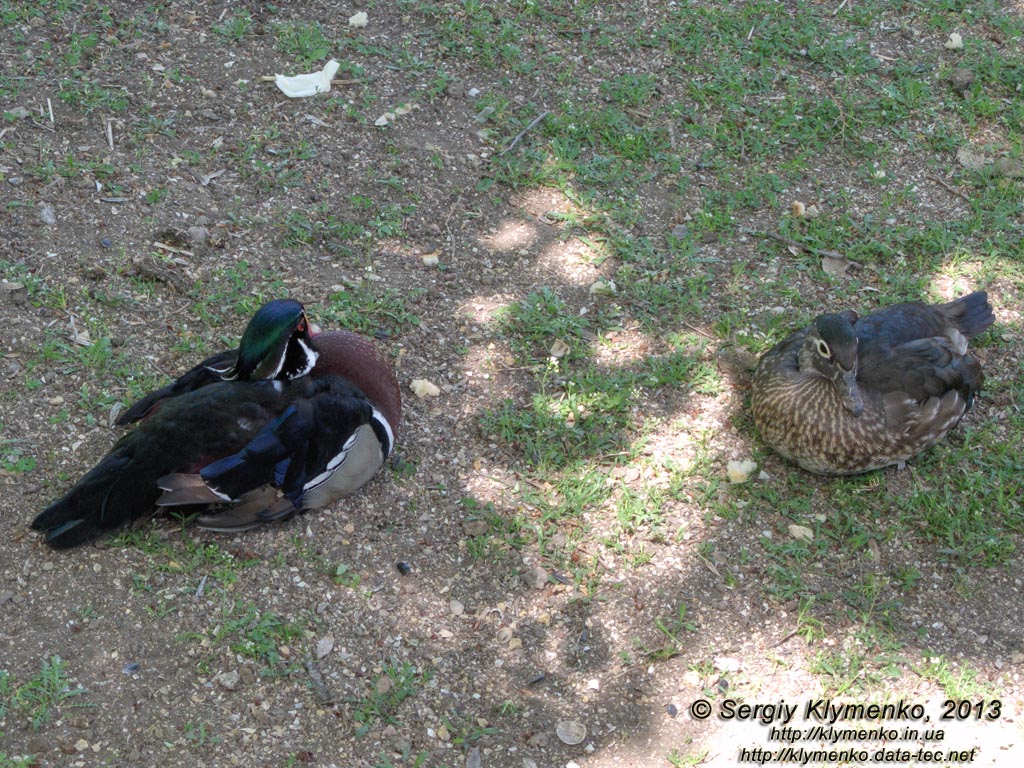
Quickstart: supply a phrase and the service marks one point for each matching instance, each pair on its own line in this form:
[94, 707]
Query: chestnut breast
[357, 359]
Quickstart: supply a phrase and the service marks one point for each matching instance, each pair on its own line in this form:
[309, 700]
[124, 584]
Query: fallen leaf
[740, 471]
[559, 348]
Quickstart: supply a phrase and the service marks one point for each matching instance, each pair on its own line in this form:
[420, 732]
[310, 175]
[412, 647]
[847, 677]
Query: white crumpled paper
[300, 86]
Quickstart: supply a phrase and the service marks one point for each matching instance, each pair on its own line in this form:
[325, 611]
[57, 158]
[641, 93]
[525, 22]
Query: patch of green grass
[305, 43]
[39, 697]
[16, 761]
[396, 682]
[957, 679]
[235, 27]
[257, 634]
[371, 310]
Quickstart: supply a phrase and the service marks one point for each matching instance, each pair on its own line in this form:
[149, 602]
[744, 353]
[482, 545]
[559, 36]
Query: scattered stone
[475, 527]
[15, 293]
[801, 532]
[228, 680]
[324, 646]
[47, 214]
[536, 578]
[358, 20]
[602, 287]
[456, 607]
[198, 235]
[538, 740]
[403, 567]
[955, 42]
[106, 242]
[1008, 167]
[970, 158]
[961, 79]
[430, 259]
[571, 732]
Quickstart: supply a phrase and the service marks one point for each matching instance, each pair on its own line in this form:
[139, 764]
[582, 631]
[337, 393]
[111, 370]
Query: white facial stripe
[311, 358]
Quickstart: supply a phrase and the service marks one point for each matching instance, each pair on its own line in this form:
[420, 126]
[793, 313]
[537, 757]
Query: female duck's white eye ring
[823, 349]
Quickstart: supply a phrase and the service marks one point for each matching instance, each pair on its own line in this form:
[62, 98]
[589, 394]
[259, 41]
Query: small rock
[603, 287]
[475, 527]
[430, 259]
[536, 578]
[538, 740]
[198, 235]
[1008, 167]
[961, 79]
[359, 20]
[970, 158]
[324, 646]
[47, 214]
[228, 680]
[106, 242]
[955, 42]
[801, 532]
[456, 607]
[15, 293]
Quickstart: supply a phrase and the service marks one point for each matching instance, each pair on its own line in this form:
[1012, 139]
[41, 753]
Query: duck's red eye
[302, 325]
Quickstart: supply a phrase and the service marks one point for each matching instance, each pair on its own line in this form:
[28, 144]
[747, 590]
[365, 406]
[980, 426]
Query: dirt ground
[454, 659]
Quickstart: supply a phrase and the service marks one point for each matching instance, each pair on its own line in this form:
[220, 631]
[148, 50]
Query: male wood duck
[848, 395]
[276, 344]
[244, 452]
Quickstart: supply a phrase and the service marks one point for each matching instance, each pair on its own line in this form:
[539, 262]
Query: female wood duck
[244, 451]
[848, 394]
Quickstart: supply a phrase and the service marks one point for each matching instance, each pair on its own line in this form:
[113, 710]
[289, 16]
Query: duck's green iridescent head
[275, 344]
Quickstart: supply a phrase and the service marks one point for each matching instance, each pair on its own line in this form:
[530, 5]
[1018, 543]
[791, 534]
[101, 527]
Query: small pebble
[106, 242]
[403, 567]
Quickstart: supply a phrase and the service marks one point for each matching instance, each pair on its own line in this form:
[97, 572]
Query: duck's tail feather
[103, 500]
[972, 313]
